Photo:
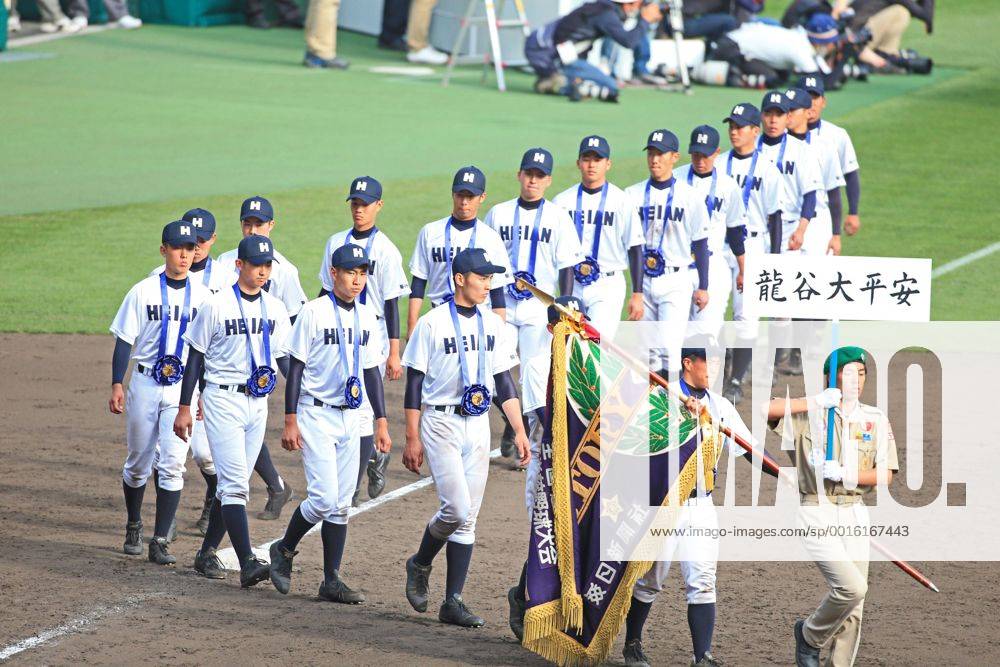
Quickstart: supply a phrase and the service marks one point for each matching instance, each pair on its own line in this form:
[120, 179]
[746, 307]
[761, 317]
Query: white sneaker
[129, 22]
[427, 56]
[14, 23]
[76, 24]
[50, 27]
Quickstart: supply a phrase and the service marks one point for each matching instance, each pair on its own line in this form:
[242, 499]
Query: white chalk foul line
[966, 259]
[76, 625]
[42, 37]
[228, 556]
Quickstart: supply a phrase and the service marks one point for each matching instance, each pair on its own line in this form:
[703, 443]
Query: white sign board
[837, 287]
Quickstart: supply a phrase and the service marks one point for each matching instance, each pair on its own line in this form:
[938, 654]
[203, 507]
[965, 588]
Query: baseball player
[762, 190]
[675, 223]
[149, 329]
[543, 248]
[439, 242]
[823, 235]
[836, 136]
[239, 335]
[798, 167]
[534, 386]
[257, 217]
[203, 268]
[334, 361]
[386, 284]
[610, 235]
[720, 195]
[831, 495]
[458, 358]
[698, 554]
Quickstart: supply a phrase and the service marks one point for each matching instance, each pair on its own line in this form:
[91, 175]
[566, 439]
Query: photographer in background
[558, 51]
[887, 20]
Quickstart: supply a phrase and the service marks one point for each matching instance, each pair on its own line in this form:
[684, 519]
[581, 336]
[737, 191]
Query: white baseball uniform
[698, 554]
[235, 421]
[457, 447]
[545, 243]
[674, 216]
[764, 195]
[284, 284]
[386, 280]
[150, 408]
[437, 244]
[721, 197]
[838, 137]
[329, 428]
[619, 230]
[800, 169]
[820, 230]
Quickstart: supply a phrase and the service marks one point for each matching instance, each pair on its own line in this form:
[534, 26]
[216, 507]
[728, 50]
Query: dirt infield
[62, 523]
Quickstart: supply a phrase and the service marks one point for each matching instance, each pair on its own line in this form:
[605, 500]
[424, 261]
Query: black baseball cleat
[707, 660]
[253, 572]
[276, 501]
[337, 591]
[516, 614]
[377, 466]
[207, 564]
[281, 567]
[133, 538]
[634, 657]
[806, 655]
[416, 584]
[454, 612]
[159, 552]
[202, 523]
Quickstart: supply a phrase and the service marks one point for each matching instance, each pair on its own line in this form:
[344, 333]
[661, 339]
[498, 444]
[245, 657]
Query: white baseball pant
[708, 321]
[818, 234]
[528, 319]
[235, 425]
[330, 451]
[698, 555]
[458, 454]
[756, 243]
[366, 416]
[150, 409]
[604, 300]
[667, 298]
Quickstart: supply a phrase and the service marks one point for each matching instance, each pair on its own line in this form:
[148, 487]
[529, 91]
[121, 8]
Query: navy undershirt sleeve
[774, 231]
[700, 250]
[566, 277]
[119, 360]
[635, 268]
[734, 237]
[293, 385]
[853, 191]
[505, 387]
[498, 298]
[282, 363]
[390, 311]
[192, 374]
[836, 209]
[374, 389]
[417, 287]
[414, 389]
[808, 205]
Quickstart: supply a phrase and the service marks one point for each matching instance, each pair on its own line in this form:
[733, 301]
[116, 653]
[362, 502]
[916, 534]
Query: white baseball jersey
[283, 285]
[139, 317]
[317, 341]
[212, 275]
[720, 194]
[386, 279]
[534, 382]
[766, 192]
[433, 350]
[688, 219]
[829, 167]
[620, 229]
[781, 48]
[220, 334]
[557, 247]
[837, 137]
[799, 165]
[432, 257]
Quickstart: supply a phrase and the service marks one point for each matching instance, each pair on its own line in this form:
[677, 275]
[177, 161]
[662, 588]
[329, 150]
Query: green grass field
[120, 132]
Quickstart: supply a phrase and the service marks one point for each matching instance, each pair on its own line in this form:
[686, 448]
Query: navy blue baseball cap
[474, 260]
[743, 114]
[774, 99]
[365, 188]
[257, 207]
[812, 84]
[595, 144]
[349, 256]
[256, 249]
[469, 179]
[664, 141]
[569, 302]
[798, 99]
[822, 29]
[704, 140]
[537, 158]
[202, 221]
[178, 233]
[693, 353]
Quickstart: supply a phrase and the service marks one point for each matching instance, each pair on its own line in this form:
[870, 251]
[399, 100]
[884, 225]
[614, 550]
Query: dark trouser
[287, 9]
[709, 26]
[394, 15]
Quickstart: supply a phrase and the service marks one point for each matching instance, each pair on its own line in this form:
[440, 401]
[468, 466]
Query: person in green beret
[831, 499]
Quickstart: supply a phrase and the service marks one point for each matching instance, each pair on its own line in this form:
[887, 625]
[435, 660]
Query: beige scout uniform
[841, 555]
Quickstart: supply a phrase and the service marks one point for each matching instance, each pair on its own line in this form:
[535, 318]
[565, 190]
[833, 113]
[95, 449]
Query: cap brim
[353, 264]
[774, 107]
[742, 122]
[534, 165]
[363, 196]
[465, 188]
[257, 261]
[599, 153]
[701, 149]
[489, 270]
[662, 148]
[205, 236]
[178, 242]
[258, 215]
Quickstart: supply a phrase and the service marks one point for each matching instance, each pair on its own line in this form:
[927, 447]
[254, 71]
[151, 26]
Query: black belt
[145, 370]
[320, 404]
[236, 388]
[754, 235]
[450, 410]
